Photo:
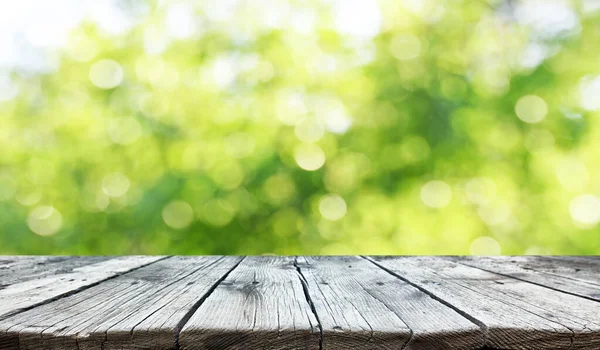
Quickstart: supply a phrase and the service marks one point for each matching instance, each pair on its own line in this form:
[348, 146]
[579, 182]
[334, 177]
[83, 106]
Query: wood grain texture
[138, 310]
[360, 306]
[260, 305]
[19, 269]
[581, 278]
[517, 314]
[287, 303]
[586, 269]
[32, 291]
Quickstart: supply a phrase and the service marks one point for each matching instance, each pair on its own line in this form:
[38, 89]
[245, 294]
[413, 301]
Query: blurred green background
[300, 127]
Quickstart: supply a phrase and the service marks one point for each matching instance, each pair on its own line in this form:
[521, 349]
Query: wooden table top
[268, 302]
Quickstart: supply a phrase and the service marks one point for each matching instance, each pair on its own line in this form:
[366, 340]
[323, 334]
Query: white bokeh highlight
[178, 214]
[531, 109]
[44, 220]
[115, 184]
[585, 209]
[106, 74]
[309, 156]
[436, 194]
[332, 207]
[485, 246]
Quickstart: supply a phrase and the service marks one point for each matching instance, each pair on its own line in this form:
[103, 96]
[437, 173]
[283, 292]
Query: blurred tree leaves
[281, 127]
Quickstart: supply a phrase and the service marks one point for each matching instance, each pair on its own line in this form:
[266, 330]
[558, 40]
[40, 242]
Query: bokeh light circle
[309, 156]
[485, 246]
[115, 184]
[531, 109]
[45, 220]
[178, 214]
[585, 209]
[436, 194]
[332, 207]
[106, 74]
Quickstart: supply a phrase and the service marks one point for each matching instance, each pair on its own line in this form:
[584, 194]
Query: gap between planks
[184, 320]
[557, 282]
[307, 295]
[539, 307]
[485, 329]
[480, 324]
[76, 290]
[197, 305]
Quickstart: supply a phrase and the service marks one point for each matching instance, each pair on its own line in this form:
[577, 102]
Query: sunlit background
[299, 127]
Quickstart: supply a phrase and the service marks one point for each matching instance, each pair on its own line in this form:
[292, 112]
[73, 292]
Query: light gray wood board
[580, 268]
[138, 310]
[517, 314]
[19, 269]
[23, 295]
[588, 259]
[260, 305]
[361, 306]
[579, 278]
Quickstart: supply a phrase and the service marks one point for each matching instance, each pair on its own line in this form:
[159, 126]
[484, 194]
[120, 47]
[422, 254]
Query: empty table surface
[304, 302]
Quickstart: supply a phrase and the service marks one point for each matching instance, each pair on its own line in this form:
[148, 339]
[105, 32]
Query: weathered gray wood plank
[305, 303]
[579, 268]
[586, 259]
[575, 277]
[26, 294]
[260, 305]
[19, 269]
[517, 314]
[142, 309]
[361, 306]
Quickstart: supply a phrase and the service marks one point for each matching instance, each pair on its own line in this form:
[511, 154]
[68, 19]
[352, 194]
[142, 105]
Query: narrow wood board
[585, 269]
[142, 309]
[516, 314]
[586, 259]
[31, 292]
[578, 278]
[18, 269]
[361, 306]
[260, 305]
[286, 303]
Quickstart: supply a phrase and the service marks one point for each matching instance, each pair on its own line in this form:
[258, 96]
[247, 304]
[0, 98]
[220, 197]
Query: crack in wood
[197, 305]
[309, 300]
[362, 303]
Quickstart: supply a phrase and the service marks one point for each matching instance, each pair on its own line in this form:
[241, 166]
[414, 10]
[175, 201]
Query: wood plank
[517, 314]
[588, 259]
[15, 269]
[142, 309]
[580, 268]
[361, 306]
[575, 277]
[305, 303]
[23, 295]
[260, 305]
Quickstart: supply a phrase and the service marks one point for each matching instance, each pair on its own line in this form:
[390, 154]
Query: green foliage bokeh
[253, 135]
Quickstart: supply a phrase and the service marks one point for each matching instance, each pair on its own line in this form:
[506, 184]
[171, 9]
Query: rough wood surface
[260, 305]
[297, 303]
[360, 306]
[32, 291]
[138, 310]
[516, 314]
[19, 269]
[580, 278]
